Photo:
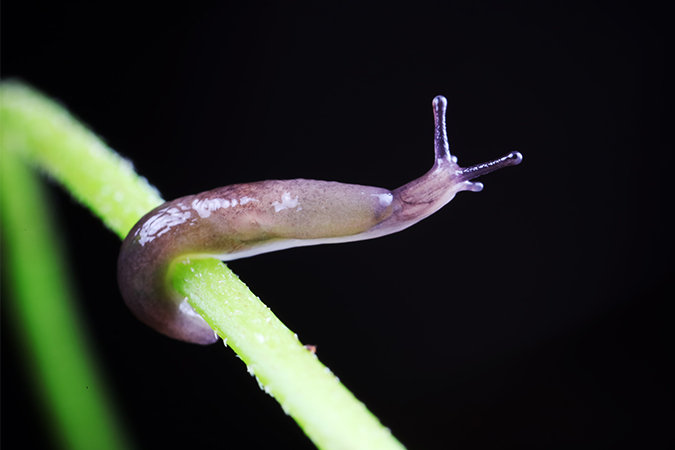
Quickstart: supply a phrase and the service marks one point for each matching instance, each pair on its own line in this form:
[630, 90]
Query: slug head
[422, 197]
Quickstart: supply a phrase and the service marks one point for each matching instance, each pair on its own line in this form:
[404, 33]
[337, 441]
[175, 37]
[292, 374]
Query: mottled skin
[243, 220]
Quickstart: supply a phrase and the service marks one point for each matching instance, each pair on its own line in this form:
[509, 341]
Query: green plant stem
[307, 390]
[46, 321]
[46, 135]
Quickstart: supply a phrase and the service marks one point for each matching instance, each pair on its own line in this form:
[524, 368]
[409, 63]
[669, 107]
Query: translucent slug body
[243, 220]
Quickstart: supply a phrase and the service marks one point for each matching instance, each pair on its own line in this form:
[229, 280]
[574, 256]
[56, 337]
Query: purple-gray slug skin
[243, 220]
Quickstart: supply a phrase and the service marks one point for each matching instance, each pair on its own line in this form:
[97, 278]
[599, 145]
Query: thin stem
[307, 390]
[45, 319]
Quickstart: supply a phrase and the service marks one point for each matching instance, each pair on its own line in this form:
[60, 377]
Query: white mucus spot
[206, 206]
[161, 223]
[286, 202]
[385, 199]
[245, 200]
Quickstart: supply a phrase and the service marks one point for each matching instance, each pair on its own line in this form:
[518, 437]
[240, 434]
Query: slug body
[243, 220]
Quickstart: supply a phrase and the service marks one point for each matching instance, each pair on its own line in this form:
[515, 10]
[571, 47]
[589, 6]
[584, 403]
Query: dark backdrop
[531, 315]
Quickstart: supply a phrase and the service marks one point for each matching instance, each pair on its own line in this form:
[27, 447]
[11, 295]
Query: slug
[243, 220]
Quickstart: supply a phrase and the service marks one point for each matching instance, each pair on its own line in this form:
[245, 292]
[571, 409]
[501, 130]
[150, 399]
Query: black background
[530, 315]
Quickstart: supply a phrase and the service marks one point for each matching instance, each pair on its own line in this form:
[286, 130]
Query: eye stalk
[469, 173]
[441, 146]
